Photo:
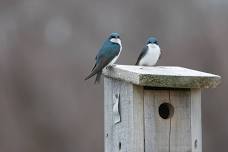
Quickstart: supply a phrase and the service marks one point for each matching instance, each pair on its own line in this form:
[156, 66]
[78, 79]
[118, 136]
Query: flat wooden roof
[163, 76]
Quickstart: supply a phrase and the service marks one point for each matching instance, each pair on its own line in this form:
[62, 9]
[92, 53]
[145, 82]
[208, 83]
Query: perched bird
[150, 53]
[107, 55]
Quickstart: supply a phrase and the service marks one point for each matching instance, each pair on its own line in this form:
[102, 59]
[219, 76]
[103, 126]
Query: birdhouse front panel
[167, 120]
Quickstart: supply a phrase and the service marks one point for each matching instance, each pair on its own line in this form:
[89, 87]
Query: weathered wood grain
[196, 120]
[156, 128]
[137, 120]
[160, 76]
[108, 127]
[120, 137]
[180, 132]
[180, 136]
[128, 134]
[132, 97]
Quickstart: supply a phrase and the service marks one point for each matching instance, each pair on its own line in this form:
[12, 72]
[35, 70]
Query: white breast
[152, 55]
[118, 41]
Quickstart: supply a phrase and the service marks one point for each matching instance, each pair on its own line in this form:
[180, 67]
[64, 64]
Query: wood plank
[108, 127]
[163, 76]
[180, 136]
[120, 142]
[168, 135]
[137, 121]
[126, 135]
[196, 121]
[156, 128]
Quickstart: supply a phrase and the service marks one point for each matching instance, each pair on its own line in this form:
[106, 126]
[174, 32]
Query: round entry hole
[166, 110]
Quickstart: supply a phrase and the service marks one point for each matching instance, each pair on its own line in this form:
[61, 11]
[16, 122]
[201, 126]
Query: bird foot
[110, 67]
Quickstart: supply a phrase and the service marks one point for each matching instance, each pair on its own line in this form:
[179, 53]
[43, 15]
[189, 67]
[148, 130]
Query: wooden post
[154, 109]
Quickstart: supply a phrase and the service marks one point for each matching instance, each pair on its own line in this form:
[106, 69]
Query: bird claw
[110, 67]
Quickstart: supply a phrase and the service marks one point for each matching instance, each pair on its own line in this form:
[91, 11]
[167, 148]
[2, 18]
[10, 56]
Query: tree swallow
[107, 55]
[150, 53]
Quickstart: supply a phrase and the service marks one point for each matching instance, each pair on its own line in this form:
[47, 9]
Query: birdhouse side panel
[123, 116]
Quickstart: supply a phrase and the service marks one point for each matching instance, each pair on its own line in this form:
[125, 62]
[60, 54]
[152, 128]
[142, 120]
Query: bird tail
[137, 62]
[89, 76]
[98, 77]
[95, 71]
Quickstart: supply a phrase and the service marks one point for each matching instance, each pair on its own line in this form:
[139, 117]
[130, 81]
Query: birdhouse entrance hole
[166, 110]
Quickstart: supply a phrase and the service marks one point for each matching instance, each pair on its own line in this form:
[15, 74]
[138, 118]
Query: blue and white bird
[150, 53]
[107, 55]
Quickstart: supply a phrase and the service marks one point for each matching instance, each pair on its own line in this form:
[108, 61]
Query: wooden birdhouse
[154, 109]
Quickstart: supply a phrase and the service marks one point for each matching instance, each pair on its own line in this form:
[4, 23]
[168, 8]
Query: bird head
[152, 40]
[115, 38]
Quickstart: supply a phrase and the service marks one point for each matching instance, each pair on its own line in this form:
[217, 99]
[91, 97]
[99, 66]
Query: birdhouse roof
[163, 76]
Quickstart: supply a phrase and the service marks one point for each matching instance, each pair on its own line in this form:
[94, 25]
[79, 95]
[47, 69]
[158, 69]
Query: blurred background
[47, 47]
